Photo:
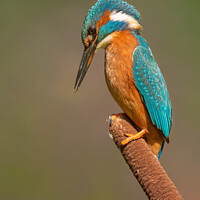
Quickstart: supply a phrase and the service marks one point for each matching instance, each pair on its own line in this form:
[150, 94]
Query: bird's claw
[131, 137]
[114, 117]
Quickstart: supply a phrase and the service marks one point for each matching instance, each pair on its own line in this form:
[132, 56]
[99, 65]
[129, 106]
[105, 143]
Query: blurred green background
[54, 143]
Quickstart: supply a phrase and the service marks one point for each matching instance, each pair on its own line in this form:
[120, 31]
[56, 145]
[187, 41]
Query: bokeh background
[54, 143]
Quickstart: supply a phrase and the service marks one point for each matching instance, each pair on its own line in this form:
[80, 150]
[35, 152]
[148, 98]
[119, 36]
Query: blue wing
[153, 89]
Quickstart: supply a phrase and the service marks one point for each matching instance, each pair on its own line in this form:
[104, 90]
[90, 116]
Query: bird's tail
[160, 152]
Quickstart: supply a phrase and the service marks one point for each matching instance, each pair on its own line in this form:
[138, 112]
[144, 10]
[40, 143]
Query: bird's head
[101, 22]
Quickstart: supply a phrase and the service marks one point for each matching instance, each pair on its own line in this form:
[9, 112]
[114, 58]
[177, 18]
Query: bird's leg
[130, 136]
[117, 115]
[133, 137]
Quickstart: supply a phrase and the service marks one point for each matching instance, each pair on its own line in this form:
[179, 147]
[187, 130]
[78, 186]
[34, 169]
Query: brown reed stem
[144, 165]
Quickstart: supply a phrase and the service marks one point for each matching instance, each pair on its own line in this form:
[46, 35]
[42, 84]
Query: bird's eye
[92, 30]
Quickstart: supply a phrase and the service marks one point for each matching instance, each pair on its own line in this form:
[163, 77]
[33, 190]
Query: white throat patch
[120, 16]
[105, 42]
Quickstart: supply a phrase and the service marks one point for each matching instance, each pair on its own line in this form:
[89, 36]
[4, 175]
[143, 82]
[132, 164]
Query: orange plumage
[119, 78]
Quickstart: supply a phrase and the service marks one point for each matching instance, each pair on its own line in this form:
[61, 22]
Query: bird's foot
[133, 137]
[115, 116]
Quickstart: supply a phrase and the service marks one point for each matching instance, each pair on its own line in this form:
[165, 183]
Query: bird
[132, 74]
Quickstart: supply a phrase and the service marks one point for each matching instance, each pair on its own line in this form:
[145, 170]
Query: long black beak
[85, 64]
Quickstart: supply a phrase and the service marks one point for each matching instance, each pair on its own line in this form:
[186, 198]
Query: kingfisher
[132, 75]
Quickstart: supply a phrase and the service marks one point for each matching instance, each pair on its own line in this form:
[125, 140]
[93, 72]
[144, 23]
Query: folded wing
[153, 89]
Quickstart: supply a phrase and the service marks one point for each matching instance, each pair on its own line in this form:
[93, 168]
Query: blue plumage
[153, 89]
[160, 152]
[109, 28]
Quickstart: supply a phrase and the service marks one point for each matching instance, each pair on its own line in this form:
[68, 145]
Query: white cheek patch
[120, 16]
[104, 43]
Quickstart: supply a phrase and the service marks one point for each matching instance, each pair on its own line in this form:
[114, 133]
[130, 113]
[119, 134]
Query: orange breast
[119, 78]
